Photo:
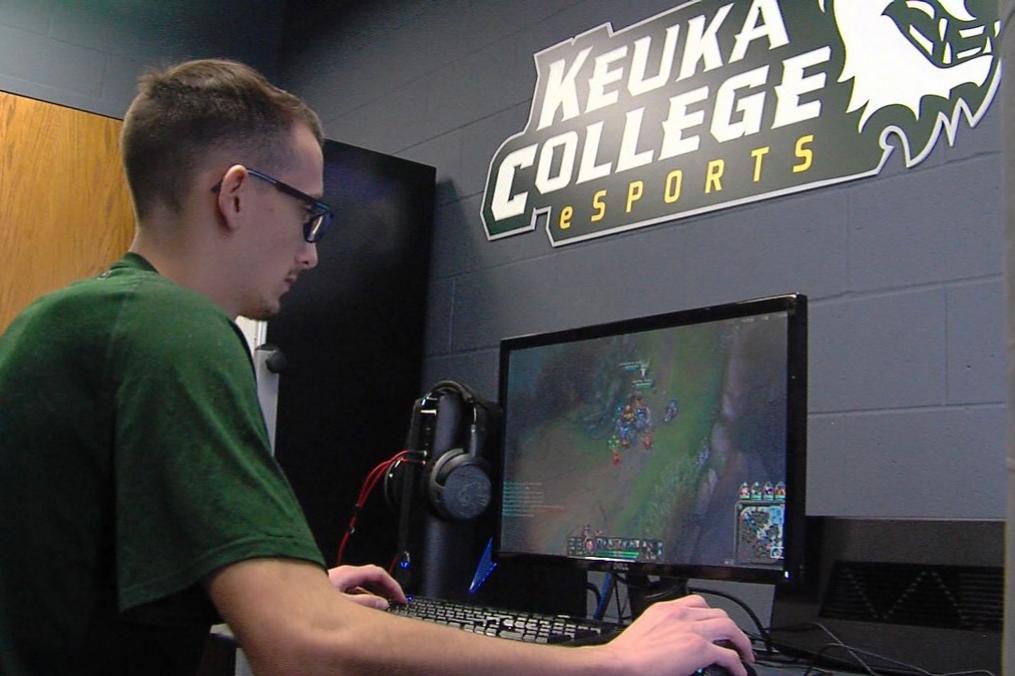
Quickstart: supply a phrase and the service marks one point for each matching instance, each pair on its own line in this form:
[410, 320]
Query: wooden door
[65, 210]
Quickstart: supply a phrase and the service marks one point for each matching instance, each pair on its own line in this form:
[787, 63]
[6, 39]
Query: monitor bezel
[795, 307]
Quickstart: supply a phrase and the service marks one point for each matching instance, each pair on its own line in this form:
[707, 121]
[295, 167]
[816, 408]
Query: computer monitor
[670, 445]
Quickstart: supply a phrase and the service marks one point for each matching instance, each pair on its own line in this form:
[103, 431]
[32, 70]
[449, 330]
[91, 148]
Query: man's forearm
[373, 642]
[288, 619]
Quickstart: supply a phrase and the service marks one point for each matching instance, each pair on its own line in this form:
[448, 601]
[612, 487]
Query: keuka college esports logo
[713, 104]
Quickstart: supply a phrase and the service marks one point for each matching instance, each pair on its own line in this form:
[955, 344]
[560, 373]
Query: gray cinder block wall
[907, 385]
[1008, 127]
[88, 54]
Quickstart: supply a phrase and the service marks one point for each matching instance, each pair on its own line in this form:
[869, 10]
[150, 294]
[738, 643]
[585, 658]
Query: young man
[139, 498]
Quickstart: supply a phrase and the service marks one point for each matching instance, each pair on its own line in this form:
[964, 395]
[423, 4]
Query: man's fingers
[371, 578]
[369, 600]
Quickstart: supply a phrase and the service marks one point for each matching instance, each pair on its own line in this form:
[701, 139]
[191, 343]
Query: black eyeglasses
[320, 215]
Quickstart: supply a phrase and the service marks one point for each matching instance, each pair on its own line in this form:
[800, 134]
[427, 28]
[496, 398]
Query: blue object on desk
[485, 567]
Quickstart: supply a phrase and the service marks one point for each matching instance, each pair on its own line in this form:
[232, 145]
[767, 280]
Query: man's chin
[264, 312]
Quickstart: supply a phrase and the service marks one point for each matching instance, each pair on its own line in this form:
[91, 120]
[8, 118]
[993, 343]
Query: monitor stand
[642, 592]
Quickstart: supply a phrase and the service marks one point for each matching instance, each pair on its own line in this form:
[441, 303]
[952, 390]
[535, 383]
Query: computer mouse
[717, 670]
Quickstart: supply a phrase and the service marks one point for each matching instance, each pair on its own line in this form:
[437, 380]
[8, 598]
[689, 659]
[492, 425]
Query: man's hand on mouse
[678, 637]
[369, 586]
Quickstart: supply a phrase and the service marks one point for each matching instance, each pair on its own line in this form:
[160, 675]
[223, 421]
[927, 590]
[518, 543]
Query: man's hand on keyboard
[369, 586]
[678, 637]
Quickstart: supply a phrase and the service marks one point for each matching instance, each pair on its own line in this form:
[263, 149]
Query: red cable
[368, 485]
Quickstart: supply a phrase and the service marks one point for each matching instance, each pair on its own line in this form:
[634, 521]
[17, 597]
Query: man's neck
[187, 259]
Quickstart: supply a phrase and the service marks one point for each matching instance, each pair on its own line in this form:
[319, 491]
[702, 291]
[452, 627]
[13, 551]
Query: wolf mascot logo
[917, 55]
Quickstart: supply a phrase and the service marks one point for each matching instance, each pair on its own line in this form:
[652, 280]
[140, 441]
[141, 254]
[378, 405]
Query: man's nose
[308, 255]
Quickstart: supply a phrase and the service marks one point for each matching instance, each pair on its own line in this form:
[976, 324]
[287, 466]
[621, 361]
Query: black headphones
[457, 479]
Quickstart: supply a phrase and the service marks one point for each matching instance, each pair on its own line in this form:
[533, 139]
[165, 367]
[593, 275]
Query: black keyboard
[511, 624]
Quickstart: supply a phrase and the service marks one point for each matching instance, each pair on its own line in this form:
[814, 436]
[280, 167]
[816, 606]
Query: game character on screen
[672, 409]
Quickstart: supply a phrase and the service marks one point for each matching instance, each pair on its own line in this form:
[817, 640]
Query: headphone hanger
[456, 479]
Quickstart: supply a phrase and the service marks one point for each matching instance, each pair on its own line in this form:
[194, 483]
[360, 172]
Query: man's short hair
[189, 112]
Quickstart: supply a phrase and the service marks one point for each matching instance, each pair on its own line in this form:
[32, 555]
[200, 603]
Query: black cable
[595, 591]
[616, 596]
[778, 660]
[912, 668]
[754, 618]
[840, 643]
[630, 585]
[828, 646]
[855, 653]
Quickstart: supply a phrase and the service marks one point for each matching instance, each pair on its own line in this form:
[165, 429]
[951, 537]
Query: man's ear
[232, 195]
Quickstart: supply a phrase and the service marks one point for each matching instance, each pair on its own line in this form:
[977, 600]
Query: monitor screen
[668, 445]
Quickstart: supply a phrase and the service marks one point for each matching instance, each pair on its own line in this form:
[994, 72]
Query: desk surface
[242, 669]
[798, 670]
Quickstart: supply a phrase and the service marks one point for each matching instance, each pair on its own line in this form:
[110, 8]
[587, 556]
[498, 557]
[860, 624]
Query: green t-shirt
[134, 461]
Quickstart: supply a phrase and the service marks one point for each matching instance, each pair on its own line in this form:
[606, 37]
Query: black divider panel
[352, 330]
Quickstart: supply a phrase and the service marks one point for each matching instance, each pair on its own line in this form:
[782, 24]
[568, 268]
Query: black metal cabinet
[352, 332]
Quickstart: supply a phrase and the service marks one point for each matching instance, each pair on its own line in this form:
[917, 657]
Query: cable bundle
[368, 486]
